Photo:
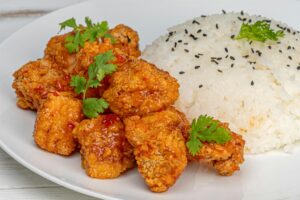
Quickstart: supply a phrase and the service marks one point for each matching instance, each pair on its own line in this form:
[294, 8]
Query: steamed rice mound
[252, 85]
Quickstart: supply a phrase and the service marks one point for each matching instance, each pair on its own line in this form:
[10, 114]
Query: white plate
[270, 176]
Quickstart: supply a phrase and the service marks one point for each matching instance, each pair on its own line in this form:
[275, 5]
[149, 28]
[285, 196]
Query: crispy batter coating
[56, 119]
[140, 88]
[105, 151]
[86, 55]
[57, 52]
[159, 146]
[35, 80]
[226, 158]
[126, 39]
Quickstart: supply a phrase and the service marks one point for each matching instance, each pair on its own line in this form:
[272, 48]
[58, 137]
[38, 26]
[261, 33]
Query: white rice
[258, 95]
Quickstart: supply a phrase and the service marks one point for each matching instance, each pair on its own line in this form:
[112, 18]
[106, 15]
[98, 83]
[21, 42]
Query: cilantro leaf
[93, 106]
[96, 72]
[259, 31]
[206, 129]
[74, 42]
[91, 32]
[68, 23]
[78, 82]
[94, 83]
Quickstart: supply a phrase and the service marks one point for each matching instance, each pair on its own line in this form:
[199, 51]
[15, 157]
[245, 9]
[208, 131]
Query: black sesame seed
[232, 36]
[252, 50]
[232, 58]
[252, 83]
[171, 33]
[250, 20]
[258, 52]
[223, 11]
[288, 65]
[185, 43]
[175, 44]
[220, 71]
[195, 22]
[232, 65]
[226, 56]
[199, 31]
[200, 54]
[278, 42]
[246, 56]
[179, 41]
[239, 18]
[172, 49]
[242, 12]
[186, 50]
[193, 37]
[200, 86]
[181, 72]
[204, 34]
[294, 33]
[197, 56]
[217, 26]
[280, 51]
[226, 50]
[269, 47]
[203, 16]
[288, 30]
[219, 58]
[298, 68]
[289, 47]
[290, 57]
[214, 61]
[197, 66]
[167, 40]
[250, 42]
[186, 31]
[253, 68]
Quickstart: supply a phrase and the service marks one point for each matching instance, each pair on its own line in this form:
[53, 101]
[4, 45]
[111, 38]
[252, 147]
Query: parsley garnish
[206, 129]
[90, 33]
[259, 31]
[96, 72]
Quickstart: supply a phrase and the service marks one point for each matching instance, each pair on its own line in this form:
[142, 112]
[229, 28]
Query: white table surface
[17, 182]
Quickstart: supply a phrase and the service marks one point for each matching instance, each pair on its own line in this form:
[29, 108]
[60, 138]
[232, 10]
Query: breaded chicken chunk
[159, 146]
[35, 80]
[55, 121]
[57, 52]
[105, 151]
[126, 39]
[140, 88]
[225, 158]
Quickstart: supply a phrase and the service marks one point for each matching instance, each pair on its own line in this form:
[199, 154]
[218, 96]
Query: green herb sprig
[206, 129]
[90, 32]
[96, 72]
[259, 31]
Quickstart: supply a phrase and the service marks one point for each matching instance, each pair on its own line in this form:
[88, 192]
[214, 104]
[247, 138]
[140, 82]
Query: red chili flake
[110, 119]
[71, 125]
[58, 85]
[120, 58]
[39, 89]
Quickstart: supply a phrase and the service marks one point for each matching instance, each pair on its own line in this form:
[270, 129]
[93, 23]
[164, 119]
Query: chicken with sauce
[139, 88]
[55, 121]
[105, 151]
[159, 146]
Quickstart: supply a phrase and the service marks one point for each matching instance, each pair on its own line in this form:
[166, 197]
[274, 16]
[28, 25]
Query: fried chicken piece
[225, 158]
[57, 52]
[105, 151]
[35, 80]
[140, 88]
[56, 119]
[126, 39]
[159, 146]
